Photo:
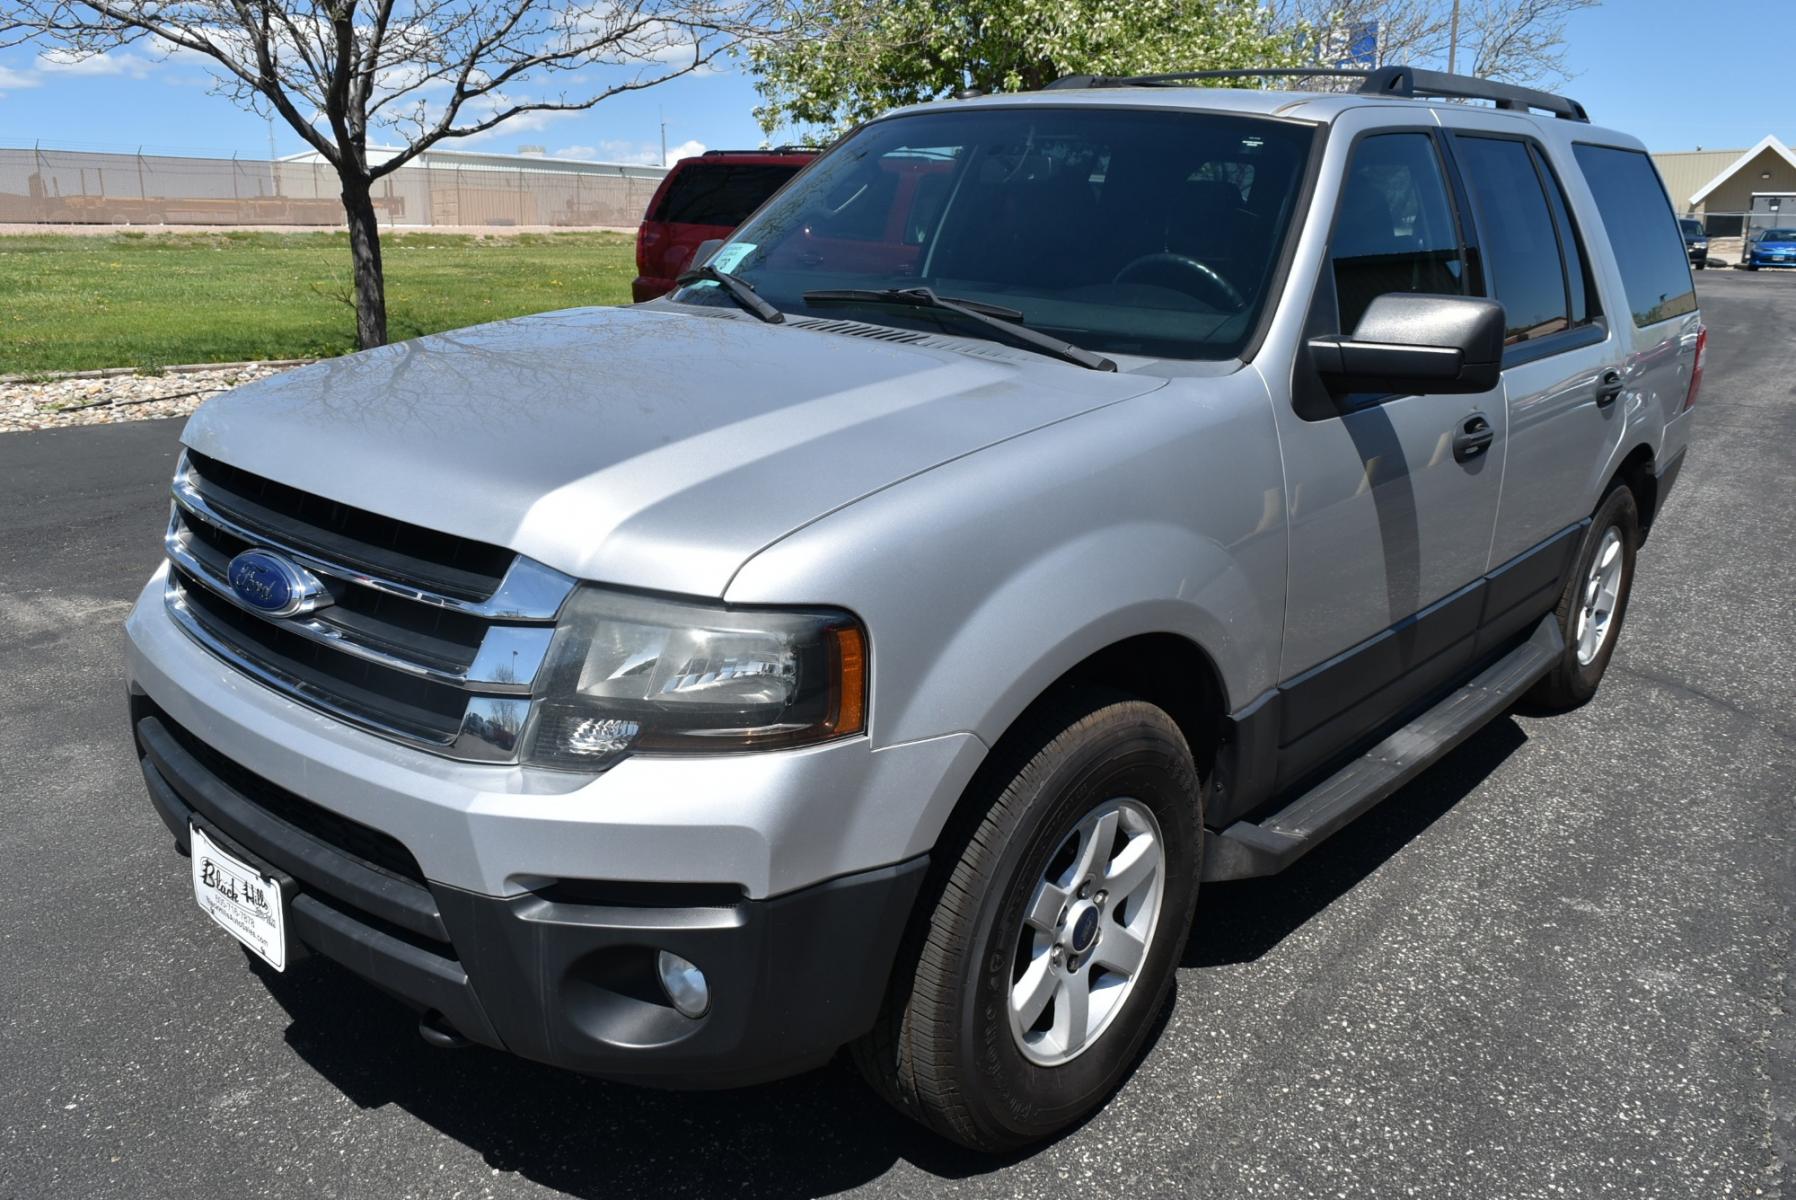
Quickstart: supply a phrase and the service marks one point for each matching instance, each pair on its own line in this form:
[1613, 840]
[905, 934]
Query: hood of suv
[646, 447]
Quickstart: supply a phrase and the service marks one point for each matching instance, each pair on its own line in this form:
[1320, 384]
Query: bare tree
[414, 72]
[1521, 41]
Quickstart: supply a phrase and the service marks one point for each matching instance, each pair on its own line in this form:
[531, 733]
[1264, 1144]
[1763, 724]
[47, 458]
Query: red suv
[704, 198]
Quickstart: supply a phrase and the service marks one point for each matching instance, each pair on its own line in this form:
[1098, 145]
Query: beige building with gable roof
[1727, 188]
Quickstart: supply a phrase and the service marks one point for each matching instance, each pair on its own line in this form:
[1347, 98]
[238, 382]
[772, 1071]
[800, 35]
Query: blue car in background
[1771, 248]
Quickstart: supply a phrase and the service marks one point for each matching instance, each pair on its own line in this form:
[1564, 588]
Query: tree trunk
[364, 252]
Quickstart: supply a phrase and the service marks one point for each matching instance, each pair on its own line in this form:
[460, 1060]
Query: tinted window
[1778, 235]
[1515, 234]
[1571, 245]
[1655, 269]
[1394, 231]
[1691, 227]
[1120, 230]
[719, 193]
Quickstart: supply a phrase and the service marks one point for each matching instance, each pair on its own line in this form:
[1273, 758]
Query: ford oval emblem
[272, 585]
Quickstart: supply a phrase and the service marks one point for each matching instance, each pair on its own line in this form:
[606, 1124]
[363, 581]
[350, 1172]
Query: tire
[1574, 678]
[945, 1051]
[1702, 266]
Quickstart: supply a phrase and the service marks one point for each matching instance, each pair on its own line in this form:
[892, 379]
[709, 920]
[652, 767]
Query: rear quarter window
[720, 193]
[1643, 232]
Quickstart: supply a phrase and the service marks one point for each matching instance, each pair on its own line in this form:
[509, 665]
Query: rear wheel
[1594, 602]
[1058, 917]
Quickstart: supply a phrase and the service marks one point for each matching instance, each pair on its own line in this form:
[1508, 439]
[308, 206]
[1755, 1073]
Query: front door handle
[1608, 388]
[1473, 439]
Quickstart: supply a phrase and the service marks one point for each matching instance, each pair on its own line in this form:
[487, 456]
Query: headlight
[631, 674]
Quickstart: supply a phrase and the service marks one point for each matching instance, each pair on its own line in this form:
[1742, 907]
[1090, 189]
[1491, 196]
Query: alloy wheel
[1086, 932]
[1596, 607]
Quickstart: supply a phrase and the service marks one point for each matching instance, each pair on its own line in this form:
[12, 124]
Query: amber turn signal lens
[851, 671]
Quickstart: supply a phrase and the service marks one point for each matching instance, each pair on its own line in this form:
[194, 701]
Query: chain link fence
[83, 187]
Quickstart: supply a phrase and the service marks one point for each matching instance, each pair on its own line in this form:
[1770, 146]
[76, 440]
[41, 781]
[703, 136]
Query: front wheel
[1034, 979]
[1593, 603]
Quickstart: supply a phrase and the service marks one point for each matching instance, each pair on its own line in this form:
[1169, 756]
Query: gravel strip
[85, 400]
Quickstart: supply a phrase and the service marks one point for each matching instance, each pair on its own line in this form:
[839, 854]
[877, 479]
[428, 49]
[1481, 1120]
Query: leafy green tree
[838, 62]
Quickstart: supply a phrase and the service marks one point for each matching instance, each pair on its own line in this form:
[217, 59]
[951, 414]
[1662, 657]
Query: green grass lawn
[149, 300]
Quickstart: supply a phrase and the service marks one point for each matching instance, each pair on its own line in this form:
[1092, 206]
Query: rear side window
[1532, 257]
[1395, 230]
[1643, 232]
[719, 193]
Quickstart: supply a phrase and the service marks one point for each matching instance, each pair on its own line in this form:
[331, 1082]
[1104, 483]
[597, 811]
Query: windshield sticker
[729, 257]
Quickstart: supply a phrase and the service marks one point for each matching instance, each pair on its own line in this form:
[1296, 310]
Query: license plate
[244, 901]
[1779, 257]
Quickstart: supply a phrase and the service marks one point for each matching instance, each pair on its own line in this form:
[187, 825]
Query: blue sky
[1677, 75]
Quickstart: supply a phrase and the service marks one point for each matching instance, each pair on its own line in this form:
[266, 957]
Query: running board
[1248, 848]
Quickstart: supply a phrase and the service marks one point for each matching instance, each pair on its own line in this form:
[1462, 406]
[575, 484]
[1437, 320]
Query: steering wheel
[1200, 272]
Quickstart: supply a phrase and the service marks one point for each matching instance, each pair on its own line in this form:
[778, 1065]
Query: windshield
[1778, 235]
[1119, 230]
[1692, 228]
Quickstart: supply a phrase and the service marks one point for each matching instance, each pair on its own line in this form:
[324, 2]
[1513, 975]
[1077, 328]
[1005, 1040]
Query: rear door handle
[1608, 388]
[1473, 439]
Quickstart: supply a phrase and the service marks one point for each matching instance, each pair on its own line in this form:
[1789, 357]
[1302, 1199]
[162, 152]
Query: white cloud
[644, 154]
[10, 78]
[121, 63]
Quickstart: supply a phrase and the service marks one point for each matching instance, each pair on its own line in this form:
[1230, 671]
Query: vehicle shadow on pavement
[1238, 922]
[815, 1135]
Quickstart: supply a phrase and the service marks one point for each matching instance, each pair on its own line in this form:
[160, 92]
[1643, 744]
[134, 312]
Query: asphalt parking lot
[1557, 965]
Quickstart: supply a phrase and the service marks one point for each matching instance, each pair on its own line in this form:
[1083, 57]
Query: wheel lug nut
[1100, 898]
[1085, 889]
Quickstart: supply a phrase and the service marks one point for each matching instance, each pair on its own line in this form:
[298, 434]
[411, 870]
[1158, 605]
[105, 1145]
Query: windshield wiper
[738, 289]
[1005, 320]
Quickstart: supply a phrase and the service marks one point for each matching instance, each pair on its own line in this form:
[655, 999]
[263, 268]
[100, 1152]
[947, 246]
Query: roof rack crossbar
[1398, 81]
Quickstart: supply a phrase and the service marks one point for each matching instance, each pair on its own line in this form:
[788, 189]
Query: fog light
[684, 984]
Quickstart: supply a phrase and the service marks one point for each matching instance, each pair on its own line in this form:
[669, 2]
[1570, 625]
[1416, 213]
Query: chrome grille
[429, 639]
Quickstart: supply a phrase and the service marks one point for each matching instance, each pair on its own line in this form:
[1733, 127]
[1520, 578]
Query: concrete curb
[182, 369]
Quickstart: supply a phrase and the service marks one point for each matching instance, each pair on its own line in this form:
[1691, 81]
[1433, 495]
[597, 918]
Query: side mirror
[705, 250]
[1416, 345]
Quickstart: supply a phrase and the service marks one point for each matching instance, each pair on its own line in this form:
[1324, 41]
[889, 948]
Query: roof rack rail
[1405, 82]
[766, 150]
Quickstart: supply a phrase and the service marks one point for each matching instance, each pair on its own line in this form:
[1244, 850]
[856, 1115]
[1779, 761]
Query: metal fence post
[43, 190]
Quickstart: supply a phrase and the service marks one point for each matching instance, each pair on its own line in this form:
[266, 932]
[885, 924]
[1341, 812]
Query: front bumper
[565, 974]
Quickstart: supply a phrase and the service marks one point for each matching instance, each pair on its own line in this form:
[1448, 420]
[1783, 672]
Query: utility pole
[1453, 40]
[274, 172]
[662, 114]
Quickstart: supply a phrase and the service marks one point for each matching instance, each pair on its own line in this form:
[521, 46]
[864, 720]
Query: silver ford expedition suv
[1044, 504]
